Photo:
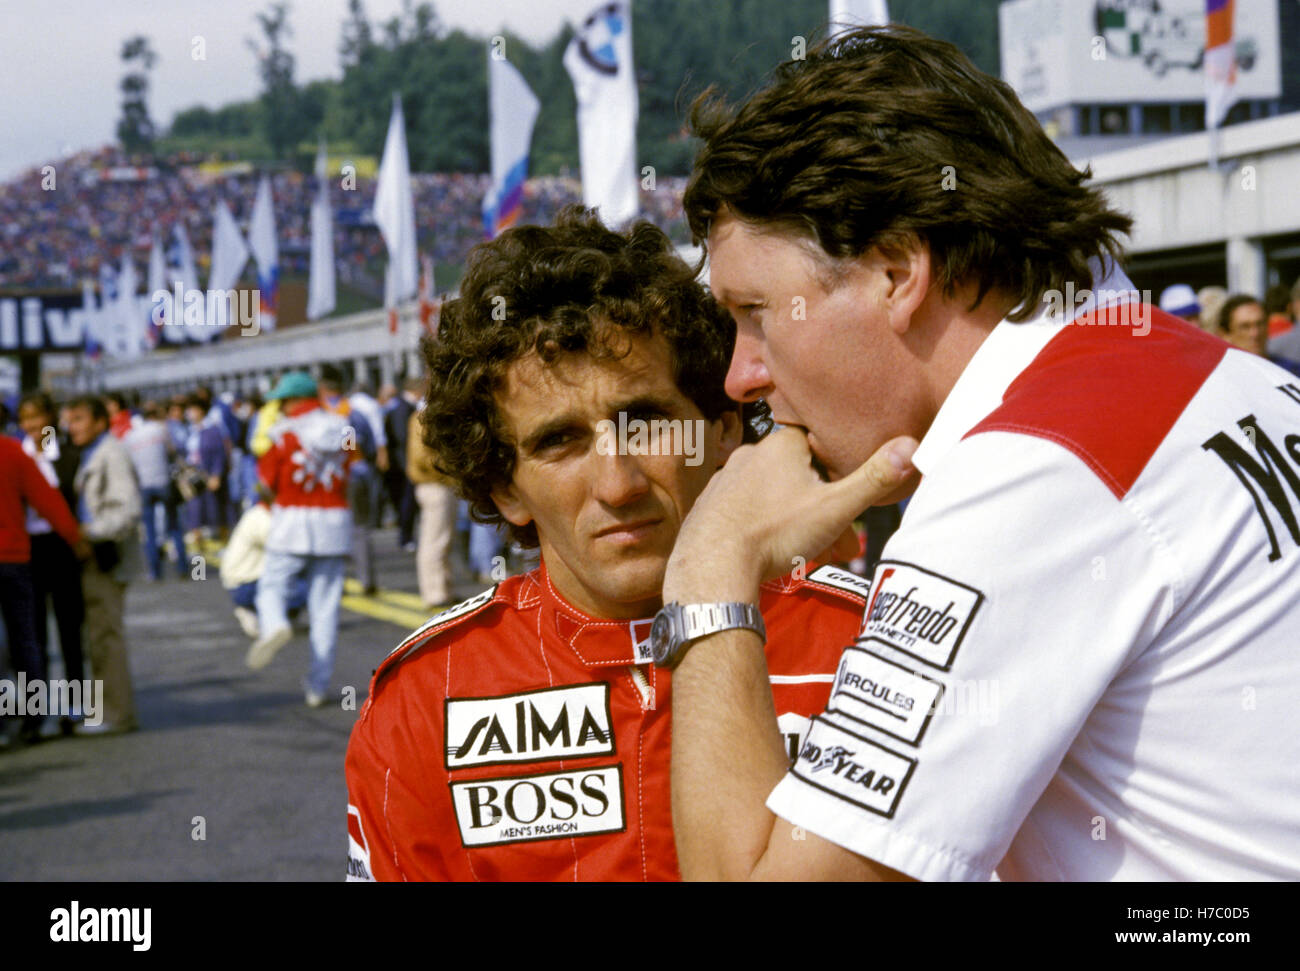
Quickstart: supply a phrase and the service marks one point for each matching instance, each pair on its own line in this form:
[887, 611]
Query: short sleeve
[1016, 589]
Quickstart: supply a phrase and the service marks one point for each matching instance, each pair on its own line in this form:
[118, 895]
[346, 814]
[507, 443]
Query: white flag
[512, 108]
[128, 322]
[846, 14]
[94, 338]
[159, 310]
[395, 215]
[266, 250]
[229, 254]
[320, 285]
[599, 60]
[182, 274]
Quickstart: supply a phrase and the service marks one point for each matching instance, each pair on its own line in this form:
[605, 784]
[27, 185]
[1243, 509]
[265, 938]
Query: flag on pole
[847, 14]
[512, 109]
[156, 330]
[229, 254]
[129, 333]
[429, 307]
[103, 320]
[394, 214]
[184, 278]
[266, 250]
[321, 295]
[599, 61]
[93, 342]
[1220, 62]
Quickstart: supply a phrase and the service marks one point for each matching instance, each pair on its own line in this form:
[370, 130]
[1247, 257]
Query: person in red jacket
[22, 484]
[524, 734]
[306, 469]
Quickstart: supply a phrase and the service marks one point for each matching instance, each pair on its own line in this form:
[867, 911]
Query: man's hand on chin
[766, 507]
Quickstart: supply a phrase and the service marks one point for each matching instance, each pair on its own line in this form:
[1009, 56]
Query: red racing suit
[516, 738]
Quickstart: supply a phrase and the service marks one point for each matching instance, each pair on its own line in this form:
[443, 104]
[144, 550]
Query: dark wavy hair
[849, 148]
[575, 287]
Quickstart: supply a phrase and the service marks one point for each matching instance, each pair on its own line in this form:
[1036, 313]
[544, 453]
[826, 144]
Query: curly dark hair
[575, 287]
[851, 146]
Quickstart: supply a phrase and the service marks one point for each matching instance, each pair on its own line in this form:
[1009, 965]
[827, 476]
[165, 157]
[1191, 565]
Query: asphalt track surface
[238, 748]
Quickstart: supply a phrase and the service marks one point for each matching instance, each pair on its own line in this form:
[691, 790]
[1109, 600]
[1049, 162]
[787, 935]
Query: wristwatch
[677, 625]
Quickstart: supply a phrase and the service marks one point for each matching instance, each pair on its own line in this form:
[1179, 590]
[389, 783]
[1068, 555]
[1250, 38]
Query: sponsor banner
[358, 850]
[877, 692]
[554, 805]
[919, 612]
[854, 769]
[568, 722]
[1062, 52]
[833, 576]
[48, 322]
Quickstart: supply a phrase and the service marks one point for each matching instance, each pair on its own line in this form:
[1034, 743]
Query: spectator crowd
[56, 228]
[283, 492]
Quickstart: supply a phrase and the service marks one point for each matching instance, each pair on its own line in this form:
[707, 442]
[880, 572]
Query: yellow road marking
[406, 610]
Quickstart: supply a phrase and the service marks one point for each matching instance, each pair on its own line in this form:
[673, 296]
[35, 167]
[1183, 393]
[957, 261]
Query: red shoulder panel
[1108, 394]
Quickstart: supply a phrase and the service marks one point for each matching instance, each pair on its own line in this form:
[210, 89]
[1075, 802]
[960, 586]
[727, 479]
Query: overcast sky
[61, 63]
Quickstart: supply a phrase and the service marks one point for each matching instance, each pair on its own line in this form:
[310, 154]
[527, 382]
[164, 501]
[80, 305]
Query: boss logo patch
[882, 694]
[534, 726]
[554, 805]
[854, 769]
[921, 613]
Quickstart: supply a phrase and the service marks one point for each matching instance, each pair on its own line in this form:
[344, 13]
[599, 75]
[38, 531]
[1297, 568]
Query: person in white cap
[1180, 300]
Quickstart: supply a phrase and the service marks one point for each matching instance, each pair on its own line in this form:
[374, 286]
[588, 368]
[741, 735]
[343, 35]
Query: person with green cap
[306, 470]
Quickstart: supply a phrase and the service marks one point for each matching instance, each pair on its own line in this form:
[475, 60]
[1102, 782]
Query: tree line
[680, 48]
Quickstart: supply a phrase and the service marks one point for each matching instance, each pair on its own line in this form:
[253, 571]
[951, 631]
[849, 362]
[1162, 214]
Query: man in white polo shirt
[1078, 659]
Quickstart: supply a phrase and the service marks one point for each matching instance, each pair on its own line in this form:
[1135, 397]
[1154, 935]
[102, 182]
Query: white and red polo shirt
[1080, 658]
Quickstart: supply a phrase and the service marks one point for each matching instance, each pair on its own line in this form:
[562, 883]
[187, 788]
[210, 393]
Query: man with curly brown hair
[576, 395]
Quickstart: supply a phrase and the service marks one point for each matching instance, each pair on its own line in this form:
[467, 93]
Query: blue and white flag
[513, 109]
[599, 61]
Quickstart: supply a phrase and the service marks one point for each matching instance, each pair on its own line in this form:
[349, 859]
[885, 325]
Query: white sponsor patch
[919, 612]
[639, 631]
[554, 805]
[358, 850]
[877, 692]
[833, 576]
[853, 768]
[572, 721]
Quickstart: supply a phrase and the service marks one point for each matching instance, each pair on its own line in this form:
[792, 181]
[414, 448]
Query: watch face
[660, 640]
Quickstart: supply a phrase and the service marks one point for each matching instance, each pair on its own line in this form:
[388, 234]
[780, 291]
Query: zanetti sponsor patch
[919, 612]
[571, 721]
[877, 692]
[555, 805]
[854, 769]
